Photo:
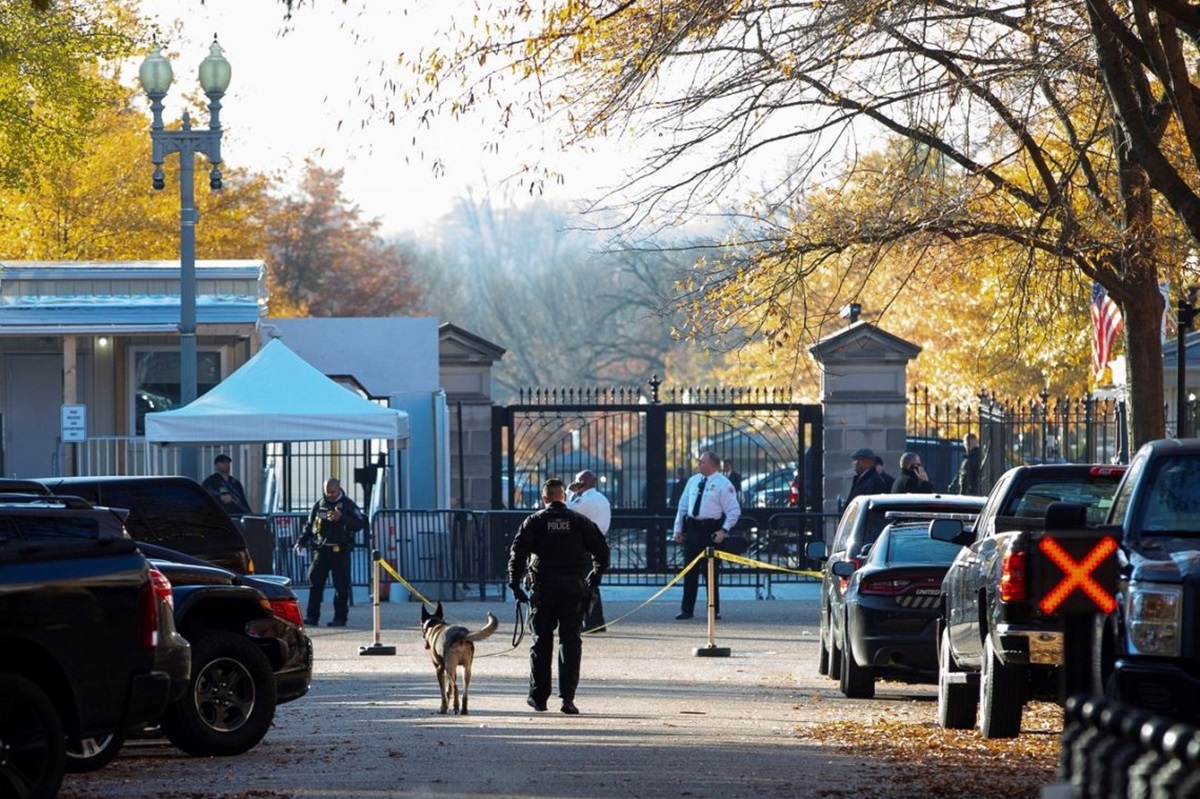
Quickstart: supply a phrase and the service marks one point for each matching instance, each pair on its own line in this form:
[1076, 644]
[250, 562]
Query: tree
[101, 206]
[56, 70]
[326, 260]
[569, 314]
[1010, 153]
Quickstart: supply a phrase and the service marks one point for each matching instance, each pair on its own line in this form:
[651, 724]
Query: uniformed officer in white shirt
[586, 499]
[707, 511]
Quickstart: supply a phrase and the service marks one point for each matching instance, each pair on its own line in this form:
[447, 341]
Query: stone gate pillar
[466, 373]
[864, 394]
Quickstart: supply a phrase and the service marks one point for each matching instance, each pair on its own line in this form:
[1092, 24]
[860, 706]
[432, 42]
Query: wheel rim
[224, 695]
[24, 747]
[90, 747]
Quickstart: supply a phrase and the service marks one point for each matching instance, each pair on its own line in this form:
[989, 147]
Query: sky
[303, 93]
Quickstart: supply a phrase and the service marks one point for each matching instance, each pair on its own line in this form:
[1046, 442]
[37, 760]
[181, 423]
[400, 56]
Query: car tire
[33, 767]
[1001, 696]
[956, 701]
[92, 754]
[856, 682]
[230, 700]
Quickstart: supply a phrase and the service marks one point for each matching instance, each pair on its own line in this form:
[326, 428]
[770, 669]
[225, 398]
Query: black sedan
[892, 604]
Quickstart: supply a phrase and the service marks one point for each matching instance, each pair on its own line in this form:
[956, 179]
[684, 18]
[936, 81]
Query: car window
[846, 525]
[49, 527]
[1033, 495]
[1173, 502]
[170, 515]
[913, 545]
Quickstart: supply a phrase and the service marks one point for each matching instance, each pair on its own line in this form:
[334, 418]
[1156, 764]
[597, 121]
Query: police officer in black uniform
[329, 534]
[551, 544]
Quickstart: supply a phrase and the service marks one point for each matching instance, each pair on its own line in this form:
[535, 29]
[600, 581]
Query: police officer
[329, 534]
[708, 510]
[550, 544]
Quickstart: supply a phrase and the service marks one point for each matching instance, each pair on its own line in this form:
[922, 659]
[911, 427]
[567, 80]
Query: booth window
[156, 380]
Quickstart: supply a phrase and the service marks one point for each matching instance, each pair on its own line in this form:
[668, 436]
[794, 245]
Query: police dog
[449, 648]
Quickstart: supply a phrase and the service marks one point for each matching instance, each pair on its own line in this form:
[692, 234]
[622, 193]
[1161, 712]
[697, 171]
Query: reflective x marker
[1078, 575]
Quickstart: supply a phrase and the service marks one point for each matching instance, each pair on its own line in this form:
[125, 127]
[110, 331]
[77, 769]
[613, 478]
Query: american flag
[1106, 326]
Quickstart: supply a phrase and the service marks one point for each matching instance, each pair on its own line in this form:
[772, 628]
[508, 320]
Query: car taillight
[288, 610]
[882, 587]
[1107, 471]
[147, 634]
[794, 494]
[1012, 576]
[162, 587]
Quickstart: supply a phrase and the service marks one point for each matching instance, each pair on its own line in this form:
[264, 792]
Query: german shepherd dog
[449, 648]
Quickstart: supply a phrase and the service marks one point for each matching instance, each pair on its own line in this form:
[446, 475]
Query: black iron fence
[460, 554]
[1041, 429]
[1114, 751]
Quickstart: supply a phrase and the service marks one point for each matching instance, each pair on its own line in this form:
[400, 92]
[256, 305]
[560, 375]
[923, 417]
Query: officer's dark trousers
[595, 616]
[328, 563]
[556, 605]
[696, 538]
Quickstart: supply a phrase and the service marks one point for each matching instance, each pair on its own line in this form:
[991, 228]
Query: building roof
[107, 297]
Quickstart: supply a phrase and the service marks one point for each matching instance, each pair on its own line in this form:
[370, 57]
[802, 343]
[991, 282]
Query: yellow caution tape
[388, 568]
[656, 595]
[729, 556]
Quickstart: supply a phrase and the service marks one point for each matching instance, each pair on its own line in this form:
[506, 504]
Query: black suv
[80, 627]
[249, 649]
[173, 512]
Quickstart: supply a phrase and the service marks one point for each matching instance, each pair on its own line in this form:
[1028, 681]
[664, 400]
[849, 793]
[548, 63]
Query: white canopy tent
[276, 396]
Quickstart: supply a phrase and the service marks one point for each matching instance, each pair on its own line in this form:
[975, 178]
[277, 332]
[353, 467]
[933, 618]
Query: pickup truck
[996, 649]
[79, 625]
[1149, 654]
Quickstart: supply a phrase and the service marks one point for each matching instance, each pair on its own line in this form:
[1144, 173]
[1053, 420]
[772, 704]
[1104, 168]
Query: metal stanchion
[712, 650]
[376, 648]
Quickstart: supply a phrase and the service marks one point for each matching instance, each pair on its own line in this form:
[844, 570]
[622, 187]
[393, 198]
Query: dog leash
[518, 625]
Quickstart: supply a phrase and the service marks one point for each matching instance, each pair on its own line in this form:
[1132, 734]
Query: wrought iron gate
[643, 447]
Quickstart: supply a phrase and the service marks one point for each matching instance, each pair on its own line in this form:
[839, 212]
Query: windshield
[1173, 499]
[912, 544]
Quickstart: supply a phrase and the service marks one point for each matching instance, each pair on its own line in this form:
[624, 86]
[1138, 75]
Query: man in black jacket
[912, 479]
[550, 544]
[329, 534]
[866, 479]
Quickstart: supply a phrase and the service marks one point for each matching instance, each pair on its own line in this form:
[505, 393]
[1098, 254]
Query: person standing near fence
[329, 535]
[968, 470]
[586, 499]
[707, 511]
[912, 479]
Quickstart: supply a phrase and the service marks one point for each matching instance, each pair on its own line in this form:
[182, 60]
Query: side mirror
[844, 568]
[816, 550]
[949, 530]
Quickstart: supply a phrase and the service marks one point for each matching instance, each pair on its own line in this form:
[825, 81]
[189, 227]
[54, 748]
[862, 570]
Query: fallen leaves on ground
[924, 760]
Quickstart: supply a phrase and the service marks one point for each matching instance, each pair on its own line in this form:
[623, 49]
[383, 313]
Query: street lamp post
[1185, 313]
[156, 75]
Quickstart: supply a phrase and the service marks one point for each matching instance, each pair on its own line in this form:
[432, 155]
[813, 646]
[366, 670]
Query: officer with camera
[329, 535]
[550, 545]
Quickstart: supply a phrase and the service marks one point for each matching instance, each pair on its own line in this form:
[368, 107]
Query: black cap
[222, 458]
[863, 452]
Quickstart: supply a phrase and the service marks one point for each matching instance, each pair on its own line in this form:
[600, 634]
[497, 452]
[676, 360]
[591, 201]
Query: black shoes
[683, 616]
[311, 622]
[569, 708]
[337, 623]
[536, 705]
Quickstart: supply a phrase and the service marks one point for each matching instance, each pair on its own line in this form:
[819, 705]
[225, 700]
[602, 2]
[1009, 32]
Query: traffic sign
[74, 423]
[1075, 571]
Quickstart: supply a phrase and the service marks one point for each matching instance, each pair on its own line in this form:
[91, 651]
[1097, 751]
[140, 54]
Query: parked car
[1149, 653]
[79, 634]
[861, 523]
[997, 650]
[777, 489]
[892, 604]
[174, 512]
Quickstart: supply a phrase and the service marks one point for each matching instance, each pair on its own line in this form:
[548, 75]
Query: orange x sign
[1078, 575]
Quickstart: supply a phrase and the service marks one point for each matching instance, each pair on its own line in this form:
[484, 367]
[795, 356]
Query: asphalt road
[657, 720]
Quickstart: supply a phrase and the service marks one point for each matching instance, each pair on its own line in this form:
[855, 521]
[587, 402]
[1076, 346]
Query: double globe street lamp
[155, 75]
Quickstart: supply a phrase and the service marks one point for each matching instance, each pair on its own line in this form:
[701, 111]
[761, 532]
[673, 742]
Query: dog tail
[492, 625]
